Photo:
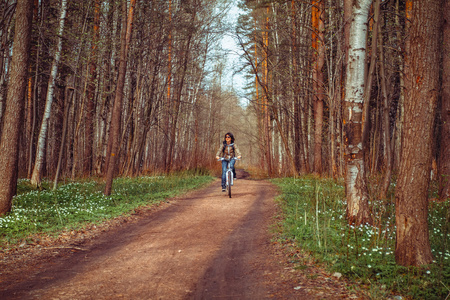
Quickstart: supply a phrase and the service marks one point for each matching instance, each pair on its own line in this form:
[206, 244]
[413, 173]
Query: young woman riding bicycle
[229, 152]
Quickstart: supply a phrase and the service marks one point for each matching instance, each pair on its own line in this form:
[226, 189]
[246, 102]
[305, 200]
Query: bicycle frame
[229, 175]
[229, 178]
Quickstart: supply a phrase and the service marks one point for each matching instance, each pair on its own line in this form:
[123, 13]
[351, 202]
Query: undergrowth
[77, 203]
[314, 217]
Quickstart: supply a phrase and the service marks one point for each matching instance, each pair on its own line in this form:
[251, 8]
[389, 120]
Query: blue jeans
[224, 170]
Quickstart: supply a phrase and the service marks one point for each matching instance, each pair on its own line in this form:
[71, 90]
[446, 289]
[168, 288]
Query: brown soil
[202, 245]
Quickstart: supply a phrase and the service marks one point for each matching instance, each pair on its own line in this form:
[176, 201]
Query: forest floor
[202, 245]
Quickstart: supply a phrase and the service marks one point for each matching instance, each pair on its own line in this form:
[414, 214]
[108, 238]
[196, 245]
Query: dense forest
[354, 89]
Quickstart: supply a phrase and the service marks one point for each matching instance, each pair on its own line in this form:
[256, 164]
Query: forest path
[202, 245]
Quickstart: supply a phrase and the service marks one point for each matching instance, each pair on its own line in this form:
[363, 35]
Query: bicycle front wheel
[229, 174]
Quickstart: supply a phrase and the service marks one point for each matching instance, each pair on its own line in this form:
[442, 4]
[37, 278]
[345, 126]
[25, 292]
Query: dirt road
[203, 245]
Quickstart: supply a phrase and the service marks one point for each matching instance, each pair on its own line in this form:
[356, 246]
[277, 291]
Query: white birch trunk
[356, 189]
[37, 170]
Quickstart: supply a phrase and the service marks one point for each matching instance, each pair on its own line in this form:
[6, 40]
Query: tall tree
[386, 124]
[40, 149]
[444, 155]
[15, 101]
[7, 13]
[319, 59]
[265, 99]
[299, 153]
[421, 95]
[67, 102]
[90, 107]
[401, 53]
[190, 8]
[114, 136]
[355, 182]
[370, 74]
[168, 106]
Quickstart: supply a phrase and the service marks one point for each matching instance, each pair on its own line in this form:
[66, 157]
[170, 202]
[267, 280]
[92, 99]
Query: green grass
[314, 218]
[75, 204]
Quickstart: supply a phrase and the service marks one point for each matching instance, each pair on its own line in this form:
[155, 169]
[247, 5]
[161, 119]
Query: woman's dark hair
[230, 135]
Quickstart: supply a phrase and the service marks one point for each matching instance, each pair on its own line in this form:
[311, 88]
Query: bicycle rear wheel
[229, 174]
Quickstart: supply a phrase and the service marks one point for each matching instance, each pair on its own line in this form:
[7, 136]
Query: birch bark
[37, 170]
[356, 188]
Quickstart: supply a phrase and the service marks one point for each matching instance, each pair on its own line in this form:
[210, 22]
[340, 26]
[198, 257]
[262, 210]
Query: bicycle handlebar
[235, 158]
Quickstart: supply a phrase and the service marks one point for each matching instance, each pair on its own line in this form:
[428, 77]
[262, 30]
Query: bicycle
[229, 176]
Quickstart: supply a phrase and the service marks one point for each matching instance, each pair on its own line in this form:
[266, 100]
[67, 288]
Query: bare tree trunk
[265, 99]
[149, 109]
[112, 21]
[116, 114]
[296, 90]
[15, 102]
[444, 155]
[286, 146]
[334, 67]
[400, 111]
[386, 126]
[32, 96]
[36, 175]
[32, 115]
[67, 101]
[421, 96]
[166, 140]
[180, 85]
[368, 86]
[91, 103]
[356, 188]
[8, 13]
[319, 59]
[258, 98]
[347, 6]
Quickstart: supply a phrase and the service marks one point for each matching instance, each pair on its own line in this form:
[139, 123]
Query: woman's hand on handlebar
[221, 158]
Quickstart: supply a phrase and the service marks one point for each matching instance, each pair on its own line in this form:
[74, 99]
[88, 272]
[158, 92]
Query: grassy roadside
[76, 204]
[314, 219]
